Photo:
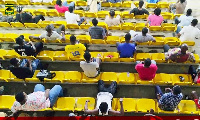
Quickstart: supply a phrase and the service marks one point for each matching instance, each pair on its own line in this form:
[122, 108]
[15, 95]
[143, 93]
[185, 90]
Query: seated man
[178, 55]
[23, 69]
[24, 17]
[72, 18]
[97, 32]
[104, 101]
[139, 10]
[195, 74]
[179, 7]
[90, 66]
[27, 48]
[127, 49]
[170, 100]
[147, 69]
[38, 100]
[155, 19]
[63, 7]
[143, 37]
[51, 33]
[111, 20]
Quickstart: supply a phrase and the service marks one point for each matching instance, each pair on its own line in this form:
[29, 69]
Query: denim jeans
[70, 4]
[54, 93]
[82, 19]
[99, 6]
[158, 91]
[34, 64]
[111, 89]
[178, 29]
[166, 48]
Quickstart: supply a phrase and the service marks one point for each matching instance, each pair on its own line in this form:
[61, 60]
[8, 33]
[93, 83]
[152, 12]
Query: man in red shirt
[147, 69]
[63, 7]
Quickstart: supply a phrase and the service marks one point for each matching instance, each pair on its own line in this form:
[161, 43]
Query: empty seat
[44, 24]
[159, 41]
[129, 105]
[81, 3]
[118, 4]
[162, 78]
[190, 43]
[4, 75]
[168, 27]
[155, 28]
[34, 78]
[116, 27]
[81, 13]
[47, 3]
[90, 14]
[11, 54]
[80, 104]
[102, 14]
[139, 81]
[126, 4]
[112, 39]
[17, 24]
[57, 24]
[45, 55]
[6, 101]
[13, 78]
[65, 104]
[60, 55]
[141, 16]
[187, 107]
[127, 15]
[2, 53]
[144, 105]
[177, 15]
[142, 56]
[85, 79]
[163, 5]
[72, 26]
[172, 41]
[97, 55]
[31, 25]
[52, 13]
[106, 4]
[111, 57]
[60, 75]
[102, 24]
[126, 59]
[167, 15]
[40, 12]
[9, 37]
[83, 38]
[176, 80]
[85, 26]
[128, 26]
[10, 2]
[151, 5]
[197, 60]
[126, 77]
[158, 57]
[98, 41]
[109, 76]
[4, 24]
[72, 77]
[139, 26]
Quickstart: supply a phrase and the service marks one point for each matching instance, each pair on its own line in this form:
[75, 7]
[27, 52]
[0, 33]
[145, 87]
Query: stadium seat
[4, 24]
[27, 57]
[151, 5]
[52, 41]
[52, 13]
[80, 104]
[142, 56]
[163, 5]
[187, 107]
[158, 57]
[85, 26]
[112, 39]
[17, 24]
[60, 75]
[85, 79]
[155, 28]
[2, 2]
[23, 2]
[128, 26]
[36, 40]
[162, 78]
[13, 78]
[72, 77]
[97, 55]
[11, 54]
[169, 27]
[116, 27]
[167, 15]
[159, 41]
[31, 11]
[177, 15]
[40, 12]
[126, 59]
[144, 105]
[141, 16]
[4, 75]
[43, 24]
[6, 101]
[60, 56]
[129, 105]
[197, 60]
[176, 80]
[98, 41]
[45, 55]
[47, 3]
[173, 41]
[62, 14]
[65, 104]
[57, 24]
[79, 12]
[83, 38]
[126, 4]
[34, 78]
[2, 53]
[118, 4]
[126, 78]
[190, 43]
[139, 26]
[102, 14]
[136, 3]
[111, 57]
[139, 81]
[9, 37]
[14, 2]
[105, 4]
[127, 15]
[72, 26]
[114, 103]
[36, 3]
[90, 15]
[31, 25]
[109, 76]
[81, 3]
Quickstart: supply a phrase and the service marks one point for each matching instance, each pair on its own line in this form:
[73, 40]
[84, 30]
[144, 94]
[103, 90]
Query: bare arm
[63, 36]
[32, 45]
[121, 112]
[47, 93]
[30, 62]
[178, 34]
[34, 37]
[92, 112]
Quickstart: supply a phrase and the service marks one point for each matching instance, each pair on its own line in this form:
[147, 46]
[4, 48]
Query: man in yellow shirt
[75, 50]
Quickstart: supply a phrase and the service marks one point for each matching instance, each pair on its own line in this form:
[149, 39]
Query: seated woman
[63, 7]
[155, 19]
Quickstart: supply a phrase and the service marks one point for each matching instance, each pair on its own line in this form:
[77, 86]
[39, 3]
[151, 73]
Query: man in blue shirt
[127, 49]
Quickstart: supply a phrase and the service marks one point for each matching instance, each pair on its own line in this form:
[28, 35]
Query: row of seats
[104, 56]
[130, 105]
[122, 78]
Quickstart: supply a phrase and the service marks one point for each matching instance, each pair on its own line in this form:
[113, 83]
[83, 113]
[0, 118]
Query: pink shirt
[146, 73]
[62, 9]
[155, 20]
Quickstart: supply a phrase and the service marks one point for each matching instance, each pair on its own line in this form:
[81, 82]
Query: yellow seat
[2, 2]
[126, 78]
[187, 107]
[126, 4]
[106, 4]
[4, 75]
[11, 54]
[83, 38]
[4, 24]
[155, 28]
[128, 26]
[116, 27]
[67, 39]
[47, 3]
[6, 101]
[72, 77]
[52, 41]
[9, 37]
[139, 81]
[118, 4]
[43, 24]
[136, 3]
[109, 76]
[111, 57]
[159, 41]
[144, 105]
[176, 80]
[81, 3]
[60, 75]
[31, 25]
[57, 24]
[196, 56]
[34, 78]
[169, 27]
[126, 59]
[172, 41]
[72, 26]
[102, 14]
[23, 2]
[112, 39]
[177, 15]
[36, 40]
[151, 5]
[167, 15]
[142, 56]
[190, 43]
[103, 25]
[165, 112]
[85, 79]
[13, 78]
[60, 56]
[163, 5]
[158, 57]
[98, 41]
[129, 105]
[162, 78]
[85, 26]
[40, 12]
[140, 16]
[97, 55]
[45, 55]
[79, 12]
[52, 12]
[114, 103]
[36, 3]
[65, 104]
[139, 26]
[31, 11]
[10, 2]
[90, 15]
[80, 104]
[2, 53]
[62, 14]
[17, 24]
[127, 15]
[27, 57]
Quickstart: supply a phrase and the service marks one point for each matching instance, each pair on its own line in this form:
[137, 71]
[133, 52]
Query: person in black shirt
[27, 48]
[24, 17]
[139, 10]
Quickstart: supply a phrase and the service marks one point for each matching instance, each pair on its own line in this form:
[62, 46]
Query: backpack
[45, 74]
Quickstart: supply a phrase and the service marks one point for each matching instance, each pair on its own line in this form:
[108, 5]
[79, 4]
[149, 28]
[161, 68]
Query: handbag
[45, 74]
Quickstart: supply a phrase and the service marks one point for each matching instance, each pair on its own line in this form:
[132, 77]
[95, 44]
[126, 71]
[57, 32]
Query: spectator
[1, 90]
[27, 48]
[184, 20]
[24, 68]
[75, 50]
[24, 17]
[139, 10]
[51, 33]
[152, 1]
[72, 18]
[90, 66]
[111, 20]
[114, 1]
[93, 5]
[179, 7]
[63, 7]
[178, 55]
[194, 73]
[38, 100]
[196, 99]
[127, 49]
[104, 101]
[155, 19]
[170, 100]
[97, 32]
[147, 69]
[143, 37]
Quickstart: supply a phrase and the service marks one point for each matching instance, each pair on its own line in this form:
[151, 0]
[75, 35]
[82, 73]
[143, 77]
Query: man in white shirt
[72, 18]
[90, 66]
[111, 20]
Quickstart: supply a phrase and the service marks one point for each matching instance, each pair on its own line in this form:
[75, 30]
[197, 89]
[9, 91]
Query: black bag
[45, 74]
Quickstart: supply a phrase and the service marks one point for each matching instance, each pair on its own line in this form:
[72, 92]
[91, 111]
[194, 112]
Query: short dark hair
[141, 3]
[182, 1]
[72, 38]
[48, 28]
[87, 56]
[147, 62]
[20, 97]
[59, 2]
[157, 11]
[127, 36]
[176, 89]
[94, 22]
[194, 22]
[20, 40]
[144, 31]
[14, 61]
[71, 8]
[112, 13]
[103, 107]
[189, 12]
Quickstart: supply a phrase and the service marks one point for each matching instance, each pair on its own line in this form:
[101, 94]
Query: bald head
[184, 48]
